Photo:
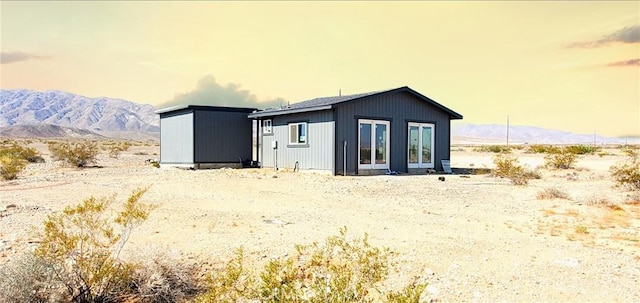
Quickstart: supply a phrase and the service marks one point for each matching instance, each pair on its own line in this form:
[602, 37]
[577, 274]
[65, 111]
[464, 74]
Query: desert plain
[474, 237]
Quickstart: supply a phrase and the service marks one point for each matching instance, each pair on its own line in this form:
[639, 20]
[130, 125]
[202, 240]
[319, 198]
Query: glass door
[373, 144]
[420, 145]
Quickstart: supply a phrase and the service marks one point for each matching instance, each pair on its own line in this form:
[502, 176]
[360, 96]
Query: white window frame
[373, 124]
[420, 126]
[267, 126]
[300, 140]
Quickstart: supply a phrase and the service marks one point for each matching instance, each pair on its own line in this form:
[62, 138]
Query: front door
[421, 142]
[373, 144]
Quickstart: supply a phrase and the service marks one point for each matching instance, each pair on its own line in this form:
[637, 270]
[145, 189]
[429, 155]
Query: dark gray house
[205, 136]
[399, 130]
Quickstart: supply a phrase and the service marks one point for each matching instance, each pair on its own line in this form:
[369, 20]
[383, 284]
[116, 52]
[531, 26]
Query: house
[393, 130]
[205, 136]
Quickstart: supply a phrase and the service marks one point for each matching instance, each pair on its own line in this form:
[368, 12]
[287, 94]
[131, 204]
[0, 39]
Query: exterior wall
[222, 136]
[176, 138]
[317, 154]
[399, 108]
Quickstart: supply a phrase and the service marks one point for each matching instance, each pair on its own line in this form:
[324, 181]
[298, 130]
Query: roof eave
[262, 114]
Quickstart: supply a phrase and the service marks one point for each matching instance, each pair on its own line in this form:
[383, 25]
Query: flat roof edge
[206, 108]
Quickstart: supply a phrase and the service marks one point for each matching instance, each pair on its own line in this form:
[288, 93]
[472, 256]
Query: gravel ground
[472, 237]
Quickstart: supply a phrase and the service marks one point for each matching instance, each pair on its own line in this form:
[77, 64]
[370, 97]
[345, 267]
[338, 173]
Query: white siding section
[318, 154]
[176, 139]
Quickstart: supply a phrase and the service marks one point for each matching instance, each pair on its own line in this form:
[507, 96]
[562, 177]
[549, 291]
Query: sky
[572, 66]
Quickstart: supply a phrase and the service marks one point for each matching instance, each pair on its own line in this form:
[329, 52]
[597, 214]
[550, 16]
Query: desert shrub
[28, 279]
[11, 166]
[340, 270]
[161, 277]
[508, 167]
[231, 284]
[542, 149]
[81, 247]
[493, 149]
[28, 154]
[562, 159]
[79, 154]
[627, 173]
[552, 193]
[582, 149]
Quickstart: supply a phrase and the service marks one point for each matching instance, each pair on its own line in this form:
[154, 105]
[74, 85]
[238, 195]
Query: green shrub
[28, 154]
[338, 271]
[542, 149]
[582, 149]
[11, 166]
[563, 159]
[492, 149]
[508, 167]
[81, 247]
[627, 173]
[79, 154]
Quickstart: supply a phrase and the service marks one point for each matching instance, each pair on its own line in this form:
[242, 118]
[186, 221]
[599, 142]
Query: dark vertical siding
[222, 137]
[399, 108]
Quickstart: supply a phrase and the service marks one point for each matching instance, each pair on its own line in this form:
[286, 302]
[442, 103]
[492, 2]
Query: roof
[205, 108]
[330, 102]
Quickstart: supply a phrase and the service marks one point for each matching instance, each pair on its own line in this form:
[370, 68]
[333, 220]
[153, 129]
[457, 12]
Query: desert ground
[473, 237]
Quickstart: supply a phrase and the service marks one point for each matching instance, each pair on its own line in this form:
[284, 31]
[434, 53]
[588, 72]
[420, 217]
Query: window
[298, 133]
[267, 127]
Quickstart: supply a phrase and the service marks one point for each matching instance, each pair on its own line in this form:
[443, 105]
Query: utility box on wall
[205, 136]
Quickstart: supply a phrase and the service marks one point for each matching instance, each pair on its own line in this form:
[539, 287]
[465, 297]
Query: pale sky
[572, 66]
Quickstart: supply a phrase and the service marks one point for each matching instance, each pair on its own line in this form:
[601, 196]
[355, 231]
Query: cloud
[629, 34]
[209, 92]
[632, 62]
[12, 57]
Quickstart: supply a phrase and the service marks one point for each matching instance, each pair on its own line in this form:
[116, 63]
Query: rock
[10, 206]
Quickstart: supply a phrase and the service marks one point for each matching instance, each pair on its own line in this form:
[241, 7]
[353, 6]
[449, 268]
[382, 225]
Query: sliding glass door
[373, 144]
[420, 145]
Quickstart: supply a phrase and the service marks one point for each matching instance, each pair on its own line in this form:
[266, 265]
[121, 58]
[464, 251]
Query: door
[420, 145]
[373, 144]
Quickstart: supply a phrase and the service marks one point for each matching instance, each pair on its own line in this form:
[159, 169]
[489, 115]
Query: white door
[373, 144]
[420, 145]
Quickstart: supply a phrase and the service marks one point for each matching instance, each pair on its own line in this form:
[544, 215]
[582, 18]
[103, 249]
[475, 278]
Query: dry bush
[81, 247]
[599, 201]
[542, 149]
[115, 149]
[627, 173]
[78, 154]
[10, 167]
[563, 159]
[552, 193]
[582, 149]
[28, 279]
[507, 166]
[159, 276]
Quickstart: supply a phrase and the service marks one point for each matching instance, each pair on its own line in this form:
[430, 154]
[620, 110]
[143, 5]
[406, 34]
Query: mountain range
[105, 116]
[29, 113]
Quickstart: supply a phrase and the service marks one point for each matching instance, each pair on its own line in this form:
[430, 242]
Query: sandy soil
[473, 237]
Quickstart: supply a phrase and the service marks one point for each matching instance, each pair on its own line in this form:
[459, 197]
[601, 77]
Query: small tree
[627, 173]
[79, 154]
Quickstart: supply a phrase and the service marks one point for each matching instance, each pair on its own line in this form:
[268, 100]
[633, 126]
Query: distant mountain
[105, 116]
[497, 134]
[46, 131]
